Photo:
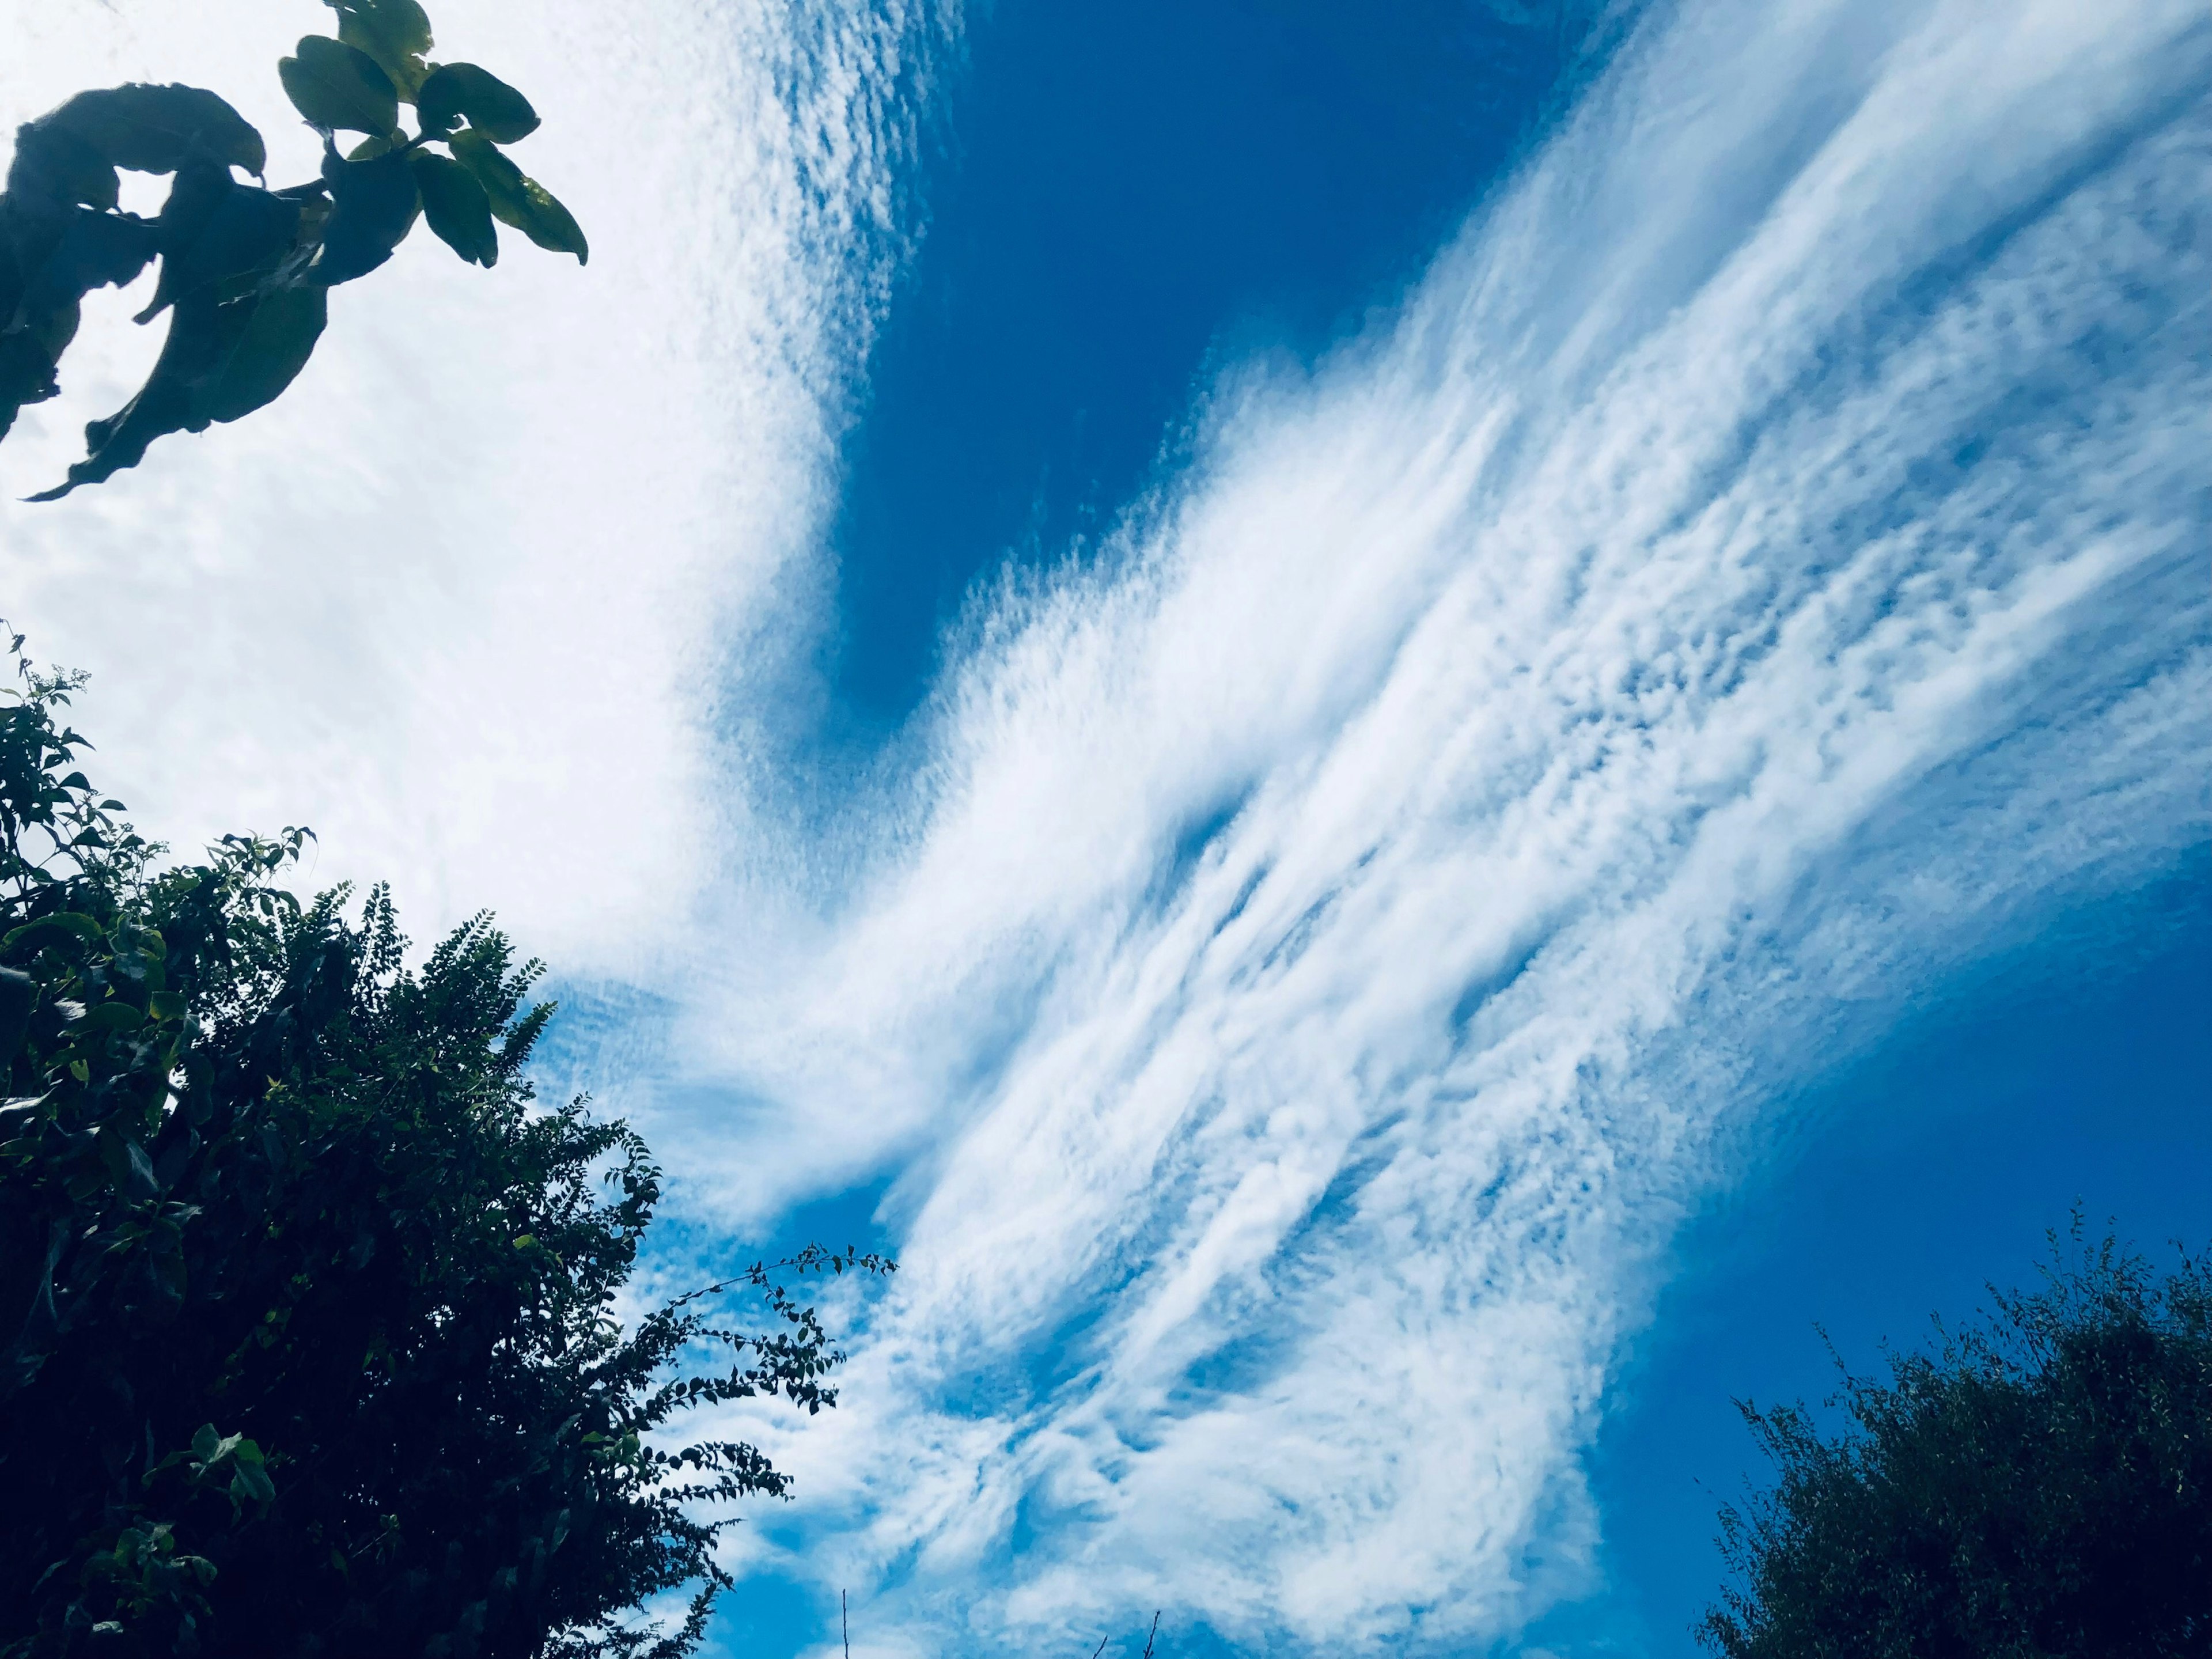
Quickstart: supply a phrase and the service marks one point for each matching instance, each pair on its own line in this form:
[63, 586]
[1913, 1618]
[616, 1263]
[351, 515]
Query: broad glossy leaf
[518, 200]
[158, 128]
[142, 1171]
[53, 164]
[493, 107]
[93, 250]
[339, 87]
[373, 207]
[46, 930]
[17, 994]
[28, 356]
[110, 1017]
[204, 332]
[217, 234]
[457, 207]
[250, 1483]
[271, 350]
[395, 32]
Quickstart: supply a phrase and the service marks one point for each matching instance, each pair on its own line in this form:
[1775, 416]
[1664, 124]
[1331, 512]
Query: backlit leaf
[518, 200]
[339, 87]
[56, 165]
[64, 923]
[17, 994]
[395, 32]
[457, 207]
[271, 349]
[493, 107]
[220, 359]
[374, 204]
[158, 128]
[81, 249]
[214, 230]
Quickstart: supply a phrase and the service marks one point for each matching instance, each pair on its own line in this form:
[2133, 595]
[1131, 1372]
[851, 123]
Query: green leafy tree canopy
[308, 1333]
[2037, 1488]
[245, 270]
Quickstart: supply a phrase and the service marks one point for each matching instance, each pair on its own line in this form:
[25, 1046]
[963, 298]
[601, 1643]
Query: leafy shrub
[2037, 1488]
[310, 1343]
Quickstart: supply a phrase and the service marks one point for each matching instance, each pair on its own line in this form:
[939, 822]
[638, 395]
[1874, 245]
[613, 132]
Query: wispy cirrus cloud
[1297, 966]
[1758, 573]
[471, 598]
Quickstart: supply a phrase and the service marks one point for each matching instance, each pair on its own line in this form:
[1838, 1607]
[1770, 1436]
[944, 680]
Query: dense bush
[309, 1310]
[2037, 1488]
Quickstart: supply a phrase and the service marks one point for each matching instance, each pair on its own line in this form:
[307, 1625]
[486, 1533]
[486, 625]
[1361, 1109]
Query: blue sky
[1397, 737]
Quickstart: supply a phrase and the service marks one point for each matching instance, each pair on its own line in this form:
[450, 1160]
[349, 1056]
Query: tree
[246, 271]
[2038, 1486]
[310, 1334]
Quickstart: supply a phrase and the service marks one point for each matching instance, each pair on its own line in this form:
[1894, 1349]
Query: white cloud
[470, 598]
[1759, 574]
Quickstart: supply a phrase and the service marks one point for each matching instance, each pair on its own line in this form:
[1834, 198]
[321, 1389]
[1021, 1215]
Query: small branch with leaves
[247, 270]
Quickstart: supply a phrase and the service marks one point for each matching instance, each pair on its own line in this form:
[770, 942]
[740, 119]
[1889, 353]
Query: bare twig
[844, 1624]
[1101, 1648]
[1155, 1631]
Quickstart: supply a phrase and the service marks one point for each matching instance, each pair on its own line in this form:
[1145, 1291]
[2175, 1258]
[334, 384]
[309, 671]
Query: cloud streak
[1305, 958]
[471, 598]
[1757, 575]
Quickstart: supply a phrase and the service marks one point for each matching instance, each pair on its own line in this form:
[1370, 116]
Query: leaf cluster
[245, 270]
[2039, 1487]
[306, 1307]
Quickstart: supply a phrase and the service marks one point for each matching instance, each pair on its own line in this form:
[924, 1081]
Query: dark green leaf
[17, 994]
[95, 249]
[395, 32]
[339, 87]
[374, 204]
[518, 200]
[109, 1016]
[250, 1483]
[217, 236]
[493, 107]
[54, 164]
[62, 924]
[222, 243]
[312, 1248]
[457, 207]
[48, 262]
[158, 128]
[271, 350]
[205, 332]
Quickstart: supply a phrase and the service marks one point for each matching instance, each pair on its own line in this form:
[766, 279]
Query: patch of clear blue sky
[2076, 1070]
[1118, 196]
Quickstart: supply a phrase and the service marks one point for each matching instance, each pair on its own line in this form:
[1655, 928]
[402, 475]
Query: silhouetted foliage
[246, 271]
[310, 1344]
[2037, 1488]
